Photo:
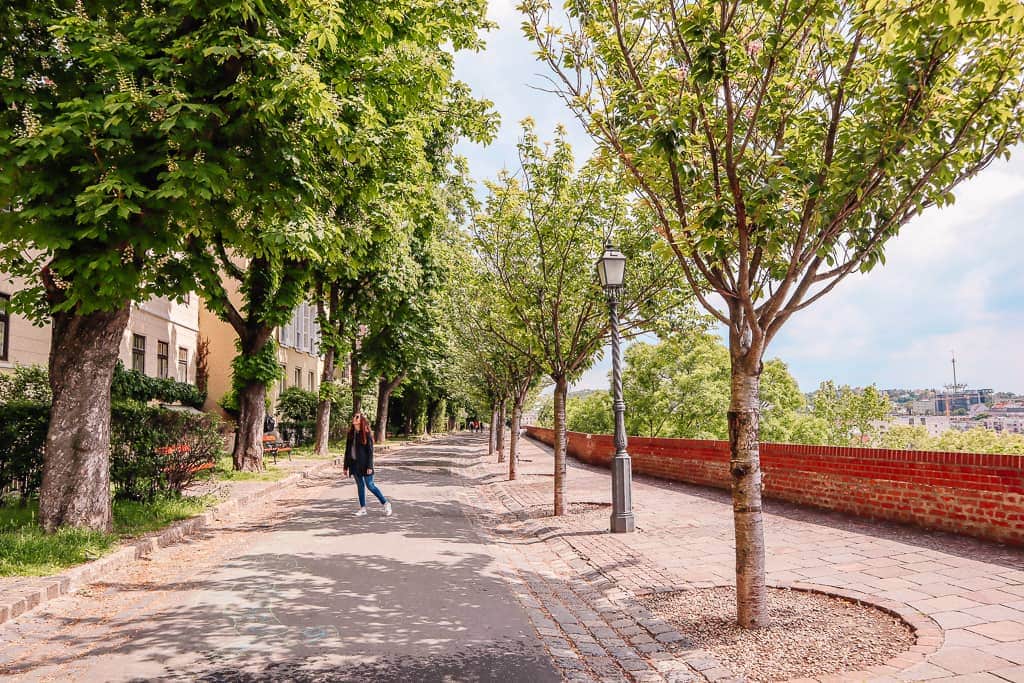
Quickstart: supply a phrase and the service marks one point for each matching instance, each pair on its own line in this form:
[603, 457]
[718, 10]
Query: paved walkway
[14, 587]
[301, 590]
[471, 580]
[973, 591]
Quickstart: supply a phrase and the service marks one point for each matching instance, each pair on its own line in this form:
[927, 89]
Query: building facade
[936, 425]
[161, 338]
[298, 354]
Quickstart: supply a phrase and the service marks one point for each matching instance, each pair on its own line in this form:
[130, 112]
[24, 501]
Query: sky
[953, 278]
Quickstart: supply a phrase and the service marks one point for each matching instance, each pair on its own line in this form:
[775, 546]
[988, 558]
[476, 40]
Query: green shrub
[132, 385]
[23, 428]
[156, 451]
[27, 383]
[152, 450]
[297, 405]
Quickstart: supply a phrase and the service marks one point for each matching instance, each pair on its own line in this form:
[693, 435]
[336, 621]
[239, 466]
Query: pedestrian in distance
[359, 462]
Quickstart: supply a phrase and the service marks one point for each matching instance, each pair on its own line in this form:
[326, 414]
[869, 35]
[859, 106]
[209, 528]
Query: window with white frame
[310, 319]
[182, 364]
[286, 334]
[302, 332]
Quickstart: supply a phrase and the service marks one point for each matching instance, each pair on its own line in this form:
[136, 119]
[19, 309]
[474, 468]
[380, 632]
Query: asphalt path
[302, 590]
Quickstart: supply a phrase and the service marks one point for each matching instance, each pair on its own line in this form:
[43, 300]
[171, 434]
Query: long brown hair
[364, 427]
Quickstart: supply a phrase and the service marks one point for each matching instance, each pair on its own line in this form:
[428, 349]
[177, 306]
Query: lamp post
[611, 270]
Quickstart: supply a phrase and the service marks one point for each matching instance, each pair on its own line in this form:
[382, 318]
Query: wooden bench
[275, 447]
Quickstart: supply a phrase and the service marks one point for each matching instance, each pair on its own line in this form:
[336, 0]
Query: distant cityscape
[956, 408]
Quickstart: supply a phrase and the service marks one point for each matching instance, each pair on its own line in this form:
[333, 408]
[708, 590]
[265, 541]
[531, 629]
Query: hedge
[132, 385]
[152, 450]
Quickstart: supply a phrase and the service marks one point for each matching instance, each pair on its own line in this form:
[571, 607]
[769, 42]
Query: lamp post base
[622, 495]
[623, 524]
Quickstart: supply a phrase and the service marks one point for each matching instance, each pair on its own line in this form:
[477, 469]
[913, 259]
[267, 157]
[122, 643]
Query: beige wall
[181, 325]
[176, 323]
[298, 365]
[162, 320]
[221, 339]
[29, 344]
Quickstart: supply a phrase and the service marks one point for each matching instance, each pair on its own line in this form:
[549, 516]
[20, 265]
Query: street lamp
[611, 270]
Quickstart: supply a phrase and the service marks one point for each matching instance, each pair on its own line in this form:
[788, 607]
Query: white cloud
[944, 286]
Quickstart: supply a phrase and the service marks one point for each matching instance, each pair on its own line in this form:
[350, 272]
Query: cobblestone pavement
[965, 596]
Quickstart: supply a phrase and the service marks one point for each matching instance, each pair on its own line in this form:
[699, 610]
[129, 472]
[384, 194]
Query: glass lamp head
[611, 267]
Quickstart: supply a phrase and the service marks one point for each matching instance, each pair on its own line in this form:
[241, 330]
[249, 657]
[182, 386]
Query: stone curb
[26, 598]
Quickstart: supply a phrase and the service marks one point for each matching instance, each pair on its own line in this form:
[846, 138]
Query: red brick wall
[970, 493]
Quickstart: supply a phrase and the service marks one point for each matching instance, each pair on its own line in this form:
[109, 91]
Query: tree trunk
[492, 434]
[357, 384]
[431, 417]
[252, 405]
[513, 440]
[385, 388]
[500, 440]
[380, 427]
[561, 390]
[76, 465]
[745, 467]
[323, 408]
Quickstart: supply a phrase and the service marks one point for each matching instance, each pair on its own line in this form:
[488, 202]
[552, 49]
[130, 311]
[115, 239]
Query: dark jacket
[362, 459]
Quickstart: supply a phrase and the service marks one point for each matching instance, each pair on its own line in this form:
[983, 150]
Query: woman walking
[359, 462]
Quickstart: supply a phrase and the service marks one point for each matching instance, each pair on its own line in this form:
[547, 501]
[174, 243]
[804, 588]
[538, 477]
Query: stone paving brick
[590, 649]
[952, 620]
[961, 660]
[960, 637]
[1013, 652]
[924, 671]
[996, 613]
[1003, 631]
[679, 677]
[1014, 674]
[946, 603]
[686, 541]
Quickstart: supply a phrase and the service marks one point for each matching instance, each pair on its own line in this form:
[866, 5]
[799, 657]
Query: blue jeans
[363, 482]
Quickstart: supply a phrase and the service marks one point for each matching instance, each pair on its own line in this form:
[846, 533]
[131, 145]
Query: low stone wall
[970, 493]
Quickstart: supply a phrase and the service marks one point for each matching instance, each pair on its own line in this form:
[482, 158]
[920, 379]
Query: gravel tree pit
[572, 509]
[809, 635]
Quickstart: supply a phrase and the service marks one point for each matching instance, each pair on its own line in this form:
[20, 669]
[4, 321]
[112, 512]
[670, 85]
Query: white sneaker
[361, 512]
[387, 509]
